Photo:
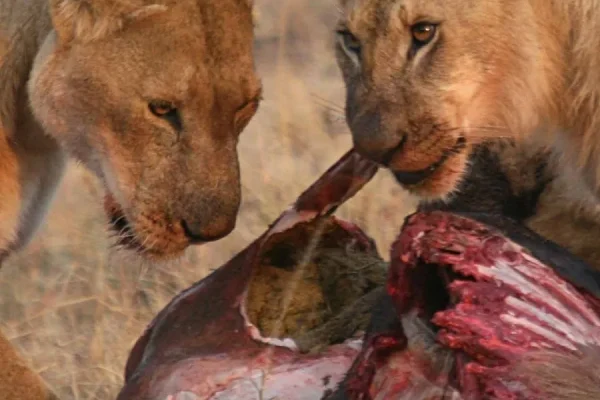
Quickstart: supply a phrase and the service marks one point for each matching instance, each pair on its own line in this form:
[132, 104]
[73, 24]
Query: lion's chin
[128, 239]
[442, 179]
[436, 180]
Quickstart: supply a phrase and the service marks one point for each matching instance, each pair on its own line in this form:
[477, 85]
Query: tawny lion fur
[150, 95]
[527, 70]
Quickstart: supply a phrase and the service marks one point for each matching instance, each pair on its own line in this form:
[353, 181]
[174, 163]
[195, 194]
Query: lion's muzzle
[198, 231]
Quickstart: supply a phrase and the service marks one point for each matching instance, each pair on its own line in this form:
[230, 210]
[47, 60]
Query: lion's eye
[349, 42]
[161, 108]
[423, 33]
[245, 113]
[166, 110]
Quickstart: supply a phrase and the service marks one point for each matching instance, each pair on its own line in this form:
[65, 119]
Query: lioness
[150, 95]
[428, 81]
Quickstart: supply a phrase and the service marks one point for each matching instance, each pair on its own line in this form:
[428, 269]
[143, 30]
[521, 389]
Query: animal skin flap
[208, 326]
[467, 296]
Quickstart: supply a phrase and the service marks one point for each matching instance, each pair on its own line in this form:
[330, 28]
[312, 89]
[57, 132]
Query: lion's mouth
[411, 178]
[120, 225]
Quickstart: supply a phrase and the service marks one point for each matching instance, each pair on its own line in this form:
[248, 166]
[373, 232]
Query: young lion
[427, 81]
[150, 95]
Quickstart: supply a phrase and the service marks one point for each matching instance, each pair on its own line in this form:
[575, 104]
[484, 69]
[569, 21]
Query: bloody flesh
[485, 300]
[466, 297]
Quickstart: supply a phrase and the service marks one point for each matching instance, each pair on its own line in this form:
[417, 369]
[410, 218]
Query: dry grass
[74, 308]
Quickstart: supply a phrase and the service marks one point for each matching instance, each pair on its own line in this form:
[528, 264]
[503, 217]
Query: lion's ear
[84, 20]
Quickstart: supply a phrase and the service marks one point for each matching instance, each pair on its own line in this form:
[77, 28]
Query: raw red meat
[469, 303]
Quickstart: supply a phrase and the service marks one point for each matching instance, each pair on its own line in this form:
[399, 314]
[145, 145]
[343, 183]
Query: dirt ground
[74, 307]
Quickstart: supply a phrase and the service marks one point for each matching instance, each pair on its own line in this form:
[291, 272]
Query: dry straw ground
[74, 307]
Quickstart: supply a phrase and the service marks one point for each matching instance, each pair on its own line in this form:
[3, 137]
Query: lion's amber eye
[167, 111]
[423, 33]
[161, 108]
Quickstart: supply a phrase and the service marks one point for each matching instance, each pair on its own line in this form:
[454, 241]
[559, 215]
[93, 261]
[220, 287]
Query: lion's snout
[372, 140]
[165, 230]
[209, 203]
[200, 216]
[202, 230]
[422, 155]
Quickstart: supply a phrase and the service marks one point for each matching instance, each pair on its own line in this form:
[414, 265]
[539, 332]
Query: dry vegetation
[74, 307]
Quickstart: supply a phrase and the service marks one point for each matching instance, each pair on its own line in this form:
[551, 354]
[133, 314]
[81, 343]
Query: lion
[426, 80]
[436, 89]
[149, 95]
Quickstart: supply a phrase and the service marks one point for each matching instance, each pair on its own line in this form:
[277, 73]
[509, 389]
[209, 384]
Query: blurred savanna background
[74, 307]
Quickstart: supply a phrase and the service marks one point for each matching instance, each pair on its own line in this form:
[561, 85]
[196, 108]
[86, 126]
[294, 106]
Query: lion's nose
[372, 140]
[199, 232]
[382, 152]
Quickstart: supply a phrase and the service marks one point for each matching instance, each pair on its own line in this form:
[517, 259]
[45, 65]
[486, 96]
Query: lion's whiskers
[330, 105]
[147, 246]
[474, 133]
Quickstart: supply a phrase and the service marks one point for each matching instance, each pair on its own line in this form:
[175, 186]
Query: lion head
[428, 79]
[152, 96]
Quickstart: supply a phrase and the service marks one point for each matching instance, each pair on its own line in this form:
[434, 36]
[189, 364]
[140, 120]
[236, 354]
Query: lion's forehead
[182, 55]
[382, 15]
